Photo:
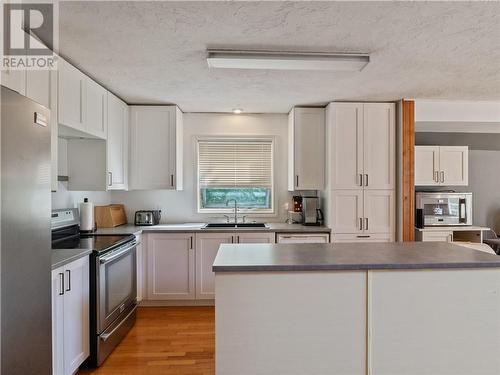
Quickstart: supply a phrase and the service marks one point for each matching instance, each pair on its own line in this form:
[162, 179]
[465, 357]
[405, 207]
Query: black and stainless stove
[113, 280]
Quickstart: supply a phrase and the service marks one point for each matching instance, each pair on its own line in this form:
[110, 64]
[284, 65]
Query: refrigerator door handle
[61, 283]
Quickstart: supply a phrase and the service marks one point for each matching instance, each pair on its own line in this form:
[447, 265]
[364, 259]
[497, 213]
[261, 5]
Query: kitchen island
[394, 308]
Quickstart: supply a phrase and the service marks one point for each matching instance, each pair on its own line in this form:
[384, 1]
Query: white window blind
[235, 163]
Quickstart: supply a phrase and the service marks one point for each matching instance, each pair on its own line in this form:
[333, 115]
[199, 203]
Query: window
[240, 169]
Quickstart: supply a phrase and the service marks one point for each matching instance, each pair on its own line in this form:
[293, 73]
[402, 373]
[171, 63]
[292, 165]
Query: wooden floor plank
[165, 340]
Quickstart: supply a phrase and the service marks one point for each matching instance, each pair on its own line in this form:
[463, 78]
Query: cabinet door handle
[360, 179]
[69, 280]
[238, 239]
[366, 179]
[191, 245]
[297, 180]
[366, 223]
[436, 176]
[61, 283]
[172, 180]
[110, 175]
[360, 223]
[442, 176]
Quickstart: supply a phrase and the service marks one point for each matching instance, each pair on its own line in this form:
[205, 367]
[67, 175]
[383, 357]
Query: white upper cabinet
[345, 128]
[306, 149]
[361, 143]
[118, 143]
[71, 96]
[14, 80]
[454, 165]
[361, 168]
[38, 85]
[441, 165]
[379, 148]
[96, 108]
[156, 147]
[81, 102]
[426, 165]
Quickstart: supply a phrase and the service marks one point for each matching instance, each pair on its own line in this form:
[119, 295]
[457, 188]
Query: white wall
[69, 199]
[181, 206]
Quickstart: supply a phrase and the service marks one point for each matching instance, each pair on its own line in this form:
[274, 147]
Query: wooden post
[408, 164]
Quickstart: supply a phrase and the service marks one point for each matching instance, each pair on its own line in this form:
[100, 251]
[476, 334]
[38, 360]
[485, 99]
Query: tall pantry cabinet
[361, 151]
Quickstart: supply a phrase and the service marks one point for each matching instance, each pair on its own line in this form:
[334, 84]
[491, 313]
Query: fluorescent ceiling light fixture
[234, 59]
[237, 111]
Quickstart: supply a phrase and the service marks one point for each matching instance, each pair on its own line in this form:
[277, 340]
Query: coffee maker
[311, 213]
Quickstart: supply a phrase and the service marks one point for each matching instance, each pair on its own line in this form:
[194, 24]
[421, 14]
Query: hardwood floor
[165, 340]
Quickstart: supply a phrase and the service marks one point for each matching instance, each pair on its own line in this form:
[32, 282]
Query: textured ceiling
[154, 52]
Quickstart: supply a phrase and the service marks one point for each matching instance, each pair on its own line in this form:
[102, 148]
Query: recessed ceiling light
[247, 59]
[237, 111]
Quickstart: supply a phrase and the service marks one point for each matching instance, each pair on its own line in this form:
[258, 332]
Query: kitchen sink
[239, 225]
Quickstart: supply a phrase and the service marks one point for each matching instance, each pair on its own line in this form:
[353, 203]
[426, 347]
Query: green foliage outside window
[259, 198]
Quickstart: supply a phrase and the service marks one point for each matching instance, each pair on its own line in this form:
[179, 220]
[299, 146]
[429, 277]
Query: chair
[493, 242]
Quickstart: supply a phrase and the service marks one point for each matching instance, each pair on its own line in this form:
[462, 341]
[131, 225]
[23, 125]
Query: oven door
[116, 288]
[445, 210]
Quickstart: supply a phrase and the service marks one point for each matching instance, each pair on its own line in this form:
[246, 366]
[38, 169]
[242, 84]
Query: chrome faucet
[235, 209]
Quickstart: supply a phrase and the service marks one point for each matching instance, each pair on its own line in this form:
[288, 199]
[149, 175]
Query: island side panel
[290, 323]
[434, 322]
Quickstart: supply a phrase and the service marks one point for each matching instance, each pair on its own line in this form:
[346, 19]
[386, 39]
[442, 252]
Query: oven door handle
[106, 336]
[117, 253]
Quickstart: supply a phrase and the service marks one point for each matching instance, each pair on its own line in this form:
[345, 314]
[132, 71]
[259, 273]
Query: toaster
[147, 217]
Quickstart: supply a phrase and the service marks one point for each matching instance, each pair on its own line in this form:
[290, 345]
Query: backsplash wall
[181, 206]
[69, 199]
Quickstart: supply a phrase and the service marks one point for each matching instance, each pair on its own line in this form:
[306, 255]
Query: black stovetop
[96, 243]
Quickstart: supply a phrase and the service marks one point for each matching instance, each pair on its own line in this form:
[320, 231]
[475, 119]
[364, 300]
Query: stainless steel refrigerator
[25, 237]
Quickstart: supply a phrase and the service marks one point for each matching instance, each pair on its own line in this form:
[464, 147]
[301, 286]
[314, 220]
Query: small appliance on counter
[311, 213]
[443, 208]
[297, 203]
[147, 217]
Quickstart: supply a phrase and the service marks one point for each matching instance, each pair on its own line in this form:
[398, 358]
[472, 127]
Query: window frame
[230, 210]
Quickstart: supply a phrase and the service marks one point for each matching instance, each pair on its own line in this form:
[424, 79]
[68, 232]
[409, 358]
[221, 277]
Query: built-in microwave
[443, 208]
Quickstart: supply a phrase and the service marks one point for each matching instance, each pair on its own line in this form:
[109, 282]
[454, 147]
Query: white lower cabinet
[170, 266]
[207, 245]
[254, 237]
[385, 237]
[179, 265]
[141, 268]
[362, 214]
[303, 238]
[435, 236]
[70, 316]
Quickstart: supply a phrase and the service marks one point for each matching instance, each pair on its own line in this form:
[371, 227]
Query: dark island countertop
[60, 257]
[349, 256]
